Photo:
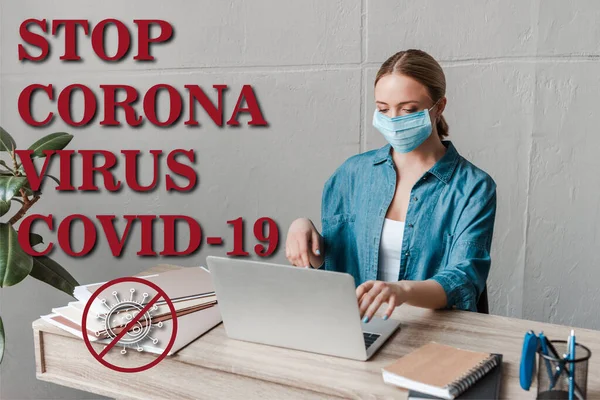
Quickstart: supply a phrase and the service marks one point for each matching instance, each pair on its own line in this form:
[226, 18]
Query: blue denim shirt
[448, 228]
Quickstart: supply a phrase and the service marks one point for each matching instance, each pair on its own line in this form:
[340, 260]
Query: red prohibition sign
[100, 356]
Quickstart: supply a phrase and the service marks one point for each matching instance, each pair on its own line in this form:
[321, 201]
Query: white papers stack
[189, 289]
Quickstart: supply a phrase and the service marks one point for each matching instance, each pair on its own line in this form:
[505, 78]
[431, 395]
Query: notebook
[440, 370]
[486, 388]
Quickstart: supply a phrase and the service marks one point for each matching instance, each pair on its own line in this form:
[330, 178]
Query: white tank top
[390, 250]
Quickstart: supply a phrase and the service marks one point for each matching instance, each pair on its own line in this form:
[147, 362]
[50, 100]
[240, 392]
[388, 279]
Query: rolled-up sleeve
[332, 208]
[468, 263]
[337, 219]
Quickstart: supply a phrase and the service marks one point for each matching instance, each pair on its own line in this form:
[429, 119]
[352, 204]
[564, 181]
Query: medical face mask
[404, 132]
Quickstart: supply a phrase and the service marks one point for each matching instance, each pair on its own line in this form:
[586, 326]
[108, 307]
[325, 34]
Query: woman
[413, 220]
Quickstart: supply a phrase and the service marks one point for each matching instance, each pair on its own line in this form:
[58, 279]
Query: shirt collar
[382, 154]
[443, 169]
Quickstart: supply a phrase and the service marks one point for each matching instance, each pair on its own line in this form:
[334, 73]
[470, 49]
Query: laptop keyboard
[370, 338]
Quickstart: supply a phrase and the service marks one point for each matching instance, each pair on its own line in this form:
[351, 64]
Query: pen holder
[553, 373]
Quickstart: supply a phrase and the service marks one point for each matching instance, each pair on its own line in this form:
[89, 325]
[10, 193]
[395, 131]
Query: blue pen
[556, 376]
[571, 357]
[545, 352]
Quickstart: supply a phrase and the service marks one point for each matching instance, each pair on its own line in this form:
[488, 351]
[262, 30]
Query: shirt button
[407, 253]
[410, 225]
[415, 198]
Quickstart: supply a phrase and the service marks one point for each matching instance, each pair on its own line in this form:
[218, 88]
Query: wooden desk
[215, 367]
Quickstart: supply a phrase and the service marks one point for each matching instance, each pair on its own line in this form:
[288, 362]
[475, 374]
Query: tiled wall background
[523, 89]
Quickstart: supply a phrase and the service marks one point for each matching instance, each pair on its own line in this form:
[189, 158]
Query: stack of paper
[189, 289]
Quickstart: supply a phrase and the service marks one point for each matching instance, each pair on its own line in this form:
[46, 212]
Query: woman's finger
[362, 289]
[303, 252]
[315, 243]
[288, 253]
[297, 260]
[391, 306]
[376, 303]
[300, 251]
[292, 250]
[368, 298]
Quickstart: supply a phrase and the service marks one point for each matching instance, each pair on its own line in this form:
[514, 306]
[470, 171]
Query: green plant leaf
[53, 141]
[15, 264]
[35, 239]
[17, 200]
[1, 340]
[10, 186]
[5, 165]
[49, 271]
[7, 143]
[4, 207]
[55, 179]
[27, 187]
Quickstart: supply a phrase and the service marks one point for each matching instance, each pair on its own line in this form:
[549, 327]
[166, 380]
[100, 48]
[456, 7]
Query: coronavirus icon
[120, 312]
[131, 312]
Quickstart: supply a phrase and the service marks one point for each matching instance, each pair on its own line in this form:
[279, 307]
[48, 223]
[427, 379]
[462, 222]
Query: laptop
[298, 308]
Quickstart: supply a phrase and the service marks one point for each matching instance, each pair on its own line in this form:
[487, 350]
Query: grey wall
[523, 87]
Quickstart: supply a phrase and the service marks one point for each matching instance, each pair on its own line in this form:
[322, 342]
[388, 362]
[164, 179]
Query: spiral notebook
[440, 370]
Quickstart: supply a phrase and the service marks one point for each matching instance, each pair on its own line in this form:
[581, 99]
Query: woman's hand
[372, 294]
[302, 247]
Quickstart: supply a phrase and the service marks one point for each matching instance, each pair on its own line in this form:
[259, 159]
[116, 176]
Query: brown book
[439, 370]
